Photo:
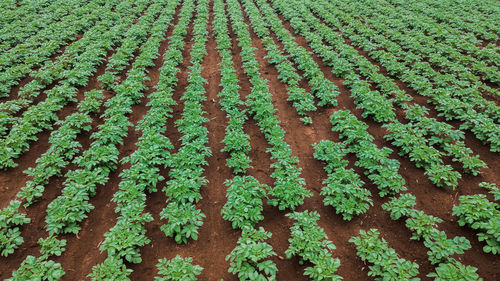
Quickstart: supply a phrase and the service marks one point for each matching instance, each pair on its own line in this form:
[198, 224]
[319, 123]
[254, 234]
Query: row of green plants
[385, 262]
[39, 38]
[451, 99]
[442, 250]
[483, 215]
[249, 260]
[288, 191]
[37, 118]
[123, 241]
[310, 244]
[343, 188]
[236, 141]
[186, 175]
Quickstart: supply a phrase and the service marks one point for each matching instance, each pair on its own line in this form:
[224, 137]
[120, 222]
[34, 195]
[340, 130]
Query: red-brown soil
[217, 238]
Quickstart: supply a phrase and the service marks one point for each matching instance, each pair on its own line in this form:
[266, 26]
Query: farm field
[249, 140]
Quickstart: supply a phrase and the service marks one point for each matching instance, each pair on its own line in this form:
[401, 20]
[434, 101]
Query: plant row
[63, 148]
[249, 260]
[41, 116]
[452, 100]
[372, 102]
[343, 189]
[123, 241]
[288, 191]
[37, 49]
[186, 174]
[441, 248]
[386, 263]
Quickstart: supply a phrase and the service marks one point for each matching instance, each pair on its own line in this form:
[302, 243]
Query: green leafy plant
[248, 259]
[244, 201]
[343, 187]
[183, 221]
[386, 263]
[38, 269]
[309, 242]
[477, 212]
[10, 221]
[111, 269]
[177, 269]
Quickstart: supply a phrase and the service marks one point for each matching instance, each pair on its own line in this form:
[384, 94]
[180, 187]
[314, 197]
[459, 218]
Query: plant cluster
[479, 213]
[186, 174]
[382, 170]
[248, 259]
[42, 268]
[244, 201]
[288, 191]
[10, 221]
[386, 263]
[177, 269]
[441, 248]
[237, 142]
[343, 187]
[310, 243]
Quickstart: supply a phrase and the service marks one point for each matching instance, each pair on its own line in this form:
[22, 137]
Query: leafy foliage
[37, 269]
[112, 269]
[248, 258]
[10, 234]
[177, 269]
[309, 242]
[343, 187]
[423, 226]
[386, 264]
[244, 201]
[477, 212]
